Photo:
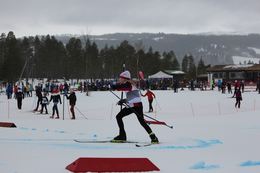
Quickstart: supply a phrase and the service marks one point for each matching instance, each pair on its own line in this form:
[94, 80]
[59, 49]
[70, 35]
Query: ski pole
[81, 112]
[63, 107]
[122, 94]
[143, 113]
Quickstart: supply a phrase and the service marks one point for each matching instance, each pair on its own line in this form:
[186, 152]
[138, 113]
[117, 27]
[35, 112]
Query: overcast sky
[95, 17]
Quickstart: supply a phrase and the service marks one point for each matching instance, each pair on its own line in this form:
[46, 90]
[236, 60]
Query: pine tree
[169, 61]
[189, 67]
[166, 61]
[2, 53]
[75, 58]
[107, 58]
[13, 63]
[125, 55]
[184, 65]
[27, 53]
[202, 68]
[175, 64]
[92, 61]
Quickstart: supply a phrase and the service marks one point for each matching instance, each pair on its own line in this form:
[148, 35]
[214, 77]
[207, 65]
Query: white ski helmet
[125, 75]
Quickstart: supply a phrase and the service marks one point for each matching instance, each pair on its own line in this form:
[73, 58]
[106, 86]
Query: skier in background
[229, 87]
[150, 95]
[9, 90]
[19, 97]
[44, 103]
[238, 95]
[242, 85]
[55, 97]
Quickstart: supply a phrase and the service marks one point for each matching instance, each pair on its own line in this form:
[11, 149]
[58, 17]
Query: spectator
[72, 100]
[39, 95]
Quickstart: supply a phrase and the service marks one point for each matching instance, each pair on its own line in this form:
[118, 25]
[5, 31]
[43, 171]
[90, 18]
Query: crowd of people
[55, 91]
[50, 91]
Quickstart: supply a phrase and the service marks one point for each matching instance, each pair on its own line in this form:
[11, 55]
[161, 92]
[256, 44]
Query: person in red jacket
[150, 95]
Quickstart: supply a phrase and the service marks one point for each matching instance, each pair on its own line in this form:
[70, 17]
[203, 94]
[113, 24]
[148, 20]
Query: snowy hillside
[214, 48]
[257, 51]
[245, 60]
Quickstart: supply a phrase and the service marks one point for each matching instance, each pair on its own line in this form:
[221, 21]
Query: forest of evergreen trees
[46, 57]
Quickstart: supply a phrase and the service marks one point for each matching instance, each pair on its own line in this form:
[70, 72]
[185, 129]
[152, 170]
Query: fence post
[8, 108]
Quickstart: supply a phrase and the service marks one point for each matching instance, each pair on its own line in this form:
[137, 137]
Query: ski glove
[122, 102]
[113, 87]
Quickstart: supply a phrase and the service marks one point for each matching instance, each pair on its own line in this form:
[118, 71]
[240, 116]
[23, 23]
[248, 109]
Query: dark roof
[202, 76]
[234, 67]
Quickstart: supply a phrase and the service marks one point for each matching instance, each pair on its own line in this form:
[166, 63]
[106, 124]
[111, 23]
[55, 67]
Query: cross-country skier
[45, 102]
[39, 95]
[55, 97]
[150, 95]
[19, 97]
[133, 104]
[238, 97]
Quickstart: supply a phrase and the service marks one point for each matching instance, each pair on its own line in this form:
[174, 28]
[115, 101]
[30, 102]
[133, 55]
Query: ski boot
[154, 139]
[119, 139]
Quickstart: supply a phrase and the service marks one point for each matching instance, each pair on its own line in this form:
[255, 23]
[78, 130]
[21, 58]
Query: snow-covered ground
[209, 134]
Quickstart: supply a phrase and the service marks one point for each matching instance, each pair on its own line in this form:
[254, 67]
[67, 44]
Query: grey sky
[31, 17]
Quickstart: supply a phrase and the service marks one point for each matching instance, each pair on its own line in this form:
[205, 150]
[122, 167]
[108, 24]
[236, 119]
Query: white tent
[160, 75]
[175, 72]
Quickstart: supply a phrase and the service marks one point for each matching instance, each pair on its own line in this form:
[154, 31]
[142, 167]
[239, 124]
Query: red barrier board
[112, 165]
[7, 124]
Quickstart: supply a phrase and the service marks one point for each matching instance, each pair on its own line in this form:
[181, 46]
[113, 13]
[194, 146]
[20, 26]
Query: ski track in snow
[204, 166]
[250, 163]
[193, 144]
[46, 130]
[196, 143]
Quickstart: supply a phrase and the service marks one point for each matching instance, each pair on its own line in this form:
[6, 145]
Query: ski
[91, 141]
[103, 141]
[145, 144]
